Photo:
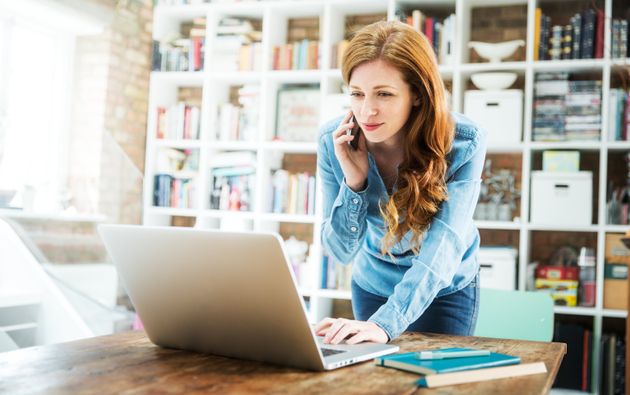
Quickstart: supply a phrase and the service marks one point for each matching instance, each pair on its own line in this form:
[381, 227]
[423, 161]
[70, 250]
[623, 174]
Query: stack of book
[293, 193]
[239, 121]
[184, 53]
[618, 115]
[335, 275]
[449, 366]
[179, 121]
[582, 38]
[566, 110]
[233, 180]
[238, 46]
[619, 39]
[440, 32]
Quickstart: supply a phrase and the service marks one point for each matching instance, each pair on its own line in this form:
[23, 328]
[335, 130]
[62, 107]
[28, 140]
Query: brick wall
[496, 24]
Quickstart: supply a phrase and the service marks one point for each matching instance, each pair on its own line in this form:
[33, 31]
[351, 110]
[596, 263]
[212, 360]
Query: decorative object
[6, 195]
[297, 113]
[494, 52]
[493, 80]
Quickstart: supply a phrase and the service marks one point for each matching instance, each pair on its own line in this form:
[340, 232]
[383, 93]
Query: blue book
[409, 362]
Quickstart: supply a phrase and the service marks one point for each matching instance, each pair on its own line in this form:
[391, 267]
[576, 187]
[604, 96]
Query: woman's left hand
[335, 330]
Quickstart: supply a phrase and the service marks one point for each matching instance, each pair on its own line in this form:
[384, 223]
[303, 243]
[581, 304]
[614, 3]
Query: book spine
[577, 35]
[567, 46]
[599, 34]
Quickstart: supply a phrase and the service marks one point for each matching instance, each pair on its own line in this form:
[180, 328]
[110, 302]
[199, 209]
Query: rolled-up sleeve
[442, 250]
[344, 213]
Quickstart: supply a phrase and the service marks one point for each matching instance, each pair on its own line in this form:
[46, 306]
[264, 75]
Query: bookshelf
[326, 19]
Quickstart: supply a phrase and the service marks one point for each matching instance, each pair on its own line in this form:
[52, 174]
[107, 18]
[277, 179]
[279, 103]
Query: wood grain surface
[128, 363]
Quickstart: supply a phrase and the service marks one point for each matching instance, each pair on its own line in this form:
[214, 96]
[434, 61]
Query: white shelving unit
[331, 14]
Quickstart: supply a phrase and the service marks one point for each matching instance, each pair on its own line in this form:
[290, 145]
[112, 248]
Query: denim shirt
[353, 228]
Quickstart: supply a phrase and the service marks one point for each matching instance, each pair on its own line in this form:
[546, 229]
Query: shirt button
[355, 200]
[353, 228]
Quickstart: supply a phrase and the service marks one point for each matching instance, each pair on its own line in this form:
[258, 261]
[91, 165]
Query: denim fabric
[452, 314]
[352, 230]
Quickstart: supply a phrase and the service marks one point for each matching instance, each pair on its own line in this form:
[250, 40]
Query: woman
[400, 205]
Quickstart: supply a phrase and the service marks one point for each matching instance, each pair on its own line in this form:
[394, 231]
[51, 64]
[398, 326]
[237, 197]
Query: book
[409, 362]
[471, 376]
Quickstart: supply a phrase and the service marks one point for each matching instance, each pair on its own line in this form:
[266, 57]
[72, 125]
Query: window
[35, 89]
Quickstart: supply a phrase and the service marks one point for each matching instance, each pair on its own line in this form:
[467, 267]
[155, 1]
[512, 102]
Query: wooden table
[128, 363]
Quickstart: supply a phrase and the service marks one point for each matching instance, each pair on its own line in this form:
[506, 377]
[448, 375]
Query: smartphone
[355, 131]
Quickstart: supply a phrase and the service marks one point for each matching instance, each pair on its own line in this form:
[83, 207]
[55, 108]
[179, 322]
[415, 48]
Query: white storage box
[560, 198]
[499, 112]
[497, 268]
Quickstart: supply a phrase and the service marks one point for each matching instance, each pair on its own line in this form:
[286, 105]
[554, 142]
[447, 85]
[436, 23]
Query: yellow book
[537, 31]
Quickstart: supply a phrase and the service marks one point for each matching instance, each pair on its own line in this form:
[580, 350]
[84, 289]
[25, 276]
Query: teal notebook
[409, 362]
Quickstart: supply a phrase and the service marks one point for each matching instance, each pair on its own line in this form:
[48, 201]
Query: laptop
[225, 293]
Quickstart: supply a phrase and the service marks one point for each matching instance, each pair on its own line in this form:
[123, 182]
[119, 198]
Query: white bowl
[494, 52]
[493, 80]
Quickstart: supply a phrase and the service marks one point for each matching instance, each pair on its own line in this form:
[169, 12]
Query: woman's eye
[355, 94]
[384, 94]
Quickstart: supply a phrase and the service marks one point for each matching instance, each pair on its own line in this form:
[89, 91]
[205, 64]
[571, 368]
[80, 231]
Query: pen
[451, 354]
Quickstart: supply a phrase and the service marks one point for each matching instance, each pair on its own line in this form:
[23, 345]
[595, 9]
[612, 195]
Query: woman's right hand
[354, 163]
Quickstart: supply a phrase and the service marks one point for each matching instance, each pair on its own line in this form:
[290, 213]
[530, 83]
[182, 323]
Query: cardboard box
[616, 251]
[615, 294]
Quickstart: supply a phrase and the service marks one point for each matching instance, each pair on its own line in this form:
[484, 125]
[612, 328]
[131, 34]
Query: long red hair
[429, 130]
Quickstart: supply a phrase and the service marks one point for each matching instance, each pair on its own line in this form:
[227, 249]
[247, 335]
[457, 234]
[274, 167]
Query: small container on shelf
[586, 263]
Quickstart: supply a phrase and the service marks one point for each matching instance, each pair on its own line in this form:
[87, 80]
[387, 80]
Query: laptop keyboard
[329, 351]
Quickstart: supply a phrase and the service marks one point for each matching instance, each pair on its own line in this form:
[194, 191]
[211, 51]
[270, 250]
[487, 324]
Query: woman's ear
[416, 100]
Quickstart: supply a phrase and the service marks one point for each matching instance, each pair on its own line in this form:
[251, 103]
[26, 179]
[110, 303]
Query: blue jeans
[452, 314]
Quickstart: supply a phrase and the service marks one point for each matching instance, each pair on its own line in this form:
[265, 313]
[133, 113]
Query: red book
[276, 57]
[197, 53]
[599, 35]
[187, 114]
[428, 29]
[159, 127]
[586, 355]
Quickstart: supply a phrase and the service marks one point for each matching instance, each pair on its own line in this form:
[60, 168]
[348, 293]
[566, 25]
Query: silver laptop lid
[224, 293]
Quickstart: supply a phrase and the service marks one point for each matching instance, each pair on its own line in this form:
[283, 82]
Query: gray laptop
[224, 293]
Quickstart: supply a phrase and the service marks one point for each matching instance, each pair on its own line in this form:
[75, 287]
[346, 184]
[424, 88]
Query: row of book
[300, 55]
[231, 189]
[618, 115]
[184, 52]
[441, 33]
[582, 38]
[239, 121]
[335, 275]
[613, 362]
[169, 191]
[179, 121]
[566, 110]
[232, 180]
[179, 55]
[619, 39]
[292, 193]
